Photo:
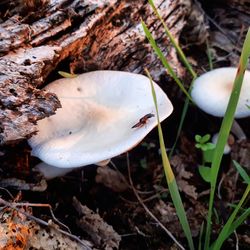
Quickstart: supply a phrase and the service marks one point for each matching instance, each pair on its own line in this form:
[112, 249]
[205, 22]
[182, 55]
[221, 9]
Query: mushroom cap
[95, 122]
[211, 92]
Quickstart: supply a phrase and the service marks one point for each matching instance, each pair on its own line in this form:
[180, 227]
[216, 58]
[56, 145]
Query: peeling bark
[90, 35]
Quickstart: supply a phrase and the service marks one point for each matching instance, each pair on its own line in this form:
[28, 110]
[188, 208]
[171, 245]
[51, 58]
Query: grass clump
[216, 151]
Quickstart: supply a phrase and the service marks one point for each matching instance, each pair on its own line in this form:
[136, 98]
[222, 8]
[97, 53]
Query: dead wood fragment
[111, 179]
[241, 153]
[183, 176]
[19, 229]
[26, 234]
[102, 234]
[239, 5]
[21, 104]
[158, 222]
[90, 34]
[229, 22]
[23, 185]
[196, 29]
[167, 215]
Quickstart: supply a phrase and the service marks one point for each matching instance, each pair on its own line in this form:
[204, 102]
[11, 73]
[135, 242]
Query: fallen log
[40, 36]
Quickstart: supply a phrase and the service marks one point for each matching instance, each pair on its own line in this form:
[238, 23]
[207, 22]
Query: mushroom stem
[227, 148]
[238, 131]
[50, 172]
[103, 163]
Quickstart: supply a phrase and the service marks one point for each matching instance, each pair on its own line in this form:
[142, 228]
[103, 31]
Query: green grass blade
[238, 221]
[200, 236]
[164, 60]
[242, 172]
[173, 75]
[225, 129]
[66, 74]
[188, 66]
[172, 39]
[229, 227]
[172, 185]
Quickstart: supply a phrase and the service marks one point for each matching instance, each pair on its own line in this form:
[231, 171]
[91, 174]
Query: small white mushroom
[211, 92]
[95, 122]
[228, 146]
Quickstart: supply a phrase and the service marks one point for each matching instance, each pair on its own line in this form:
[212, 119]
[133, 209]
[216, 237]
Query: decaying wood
[102, 234]
[19, 229]
[229, 22]
[86, 35]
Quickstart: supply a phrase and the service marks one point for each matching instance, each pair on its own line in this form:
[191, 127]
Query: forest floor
[122, 195]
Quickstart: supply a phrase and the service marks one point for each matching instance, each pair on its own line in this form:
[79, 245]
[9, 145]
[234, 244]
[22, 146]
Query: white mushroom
[211, 92]
[95, 122]
[50, 172]
[228, 146]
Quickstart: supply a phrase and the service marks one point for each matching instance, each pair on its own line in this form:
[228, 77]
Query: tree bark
[86, 35]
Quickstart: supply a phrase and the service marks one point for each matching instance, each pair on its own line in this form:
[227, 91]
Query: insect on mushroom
[143, 120]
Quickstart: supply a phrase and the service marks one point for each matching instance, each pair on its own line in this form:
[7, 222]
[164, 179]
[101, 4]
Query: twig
[125, 180]
[141, 233]
[128, 235]
[8, 192]
[203, 193]
[147, 210]
[237, 240]
[219, 185]
[42, 222]
[27, 204]
[155, 196]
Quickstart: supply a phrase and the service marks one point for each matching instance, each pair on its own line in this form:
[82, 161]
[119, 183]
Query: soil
[107, 190]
